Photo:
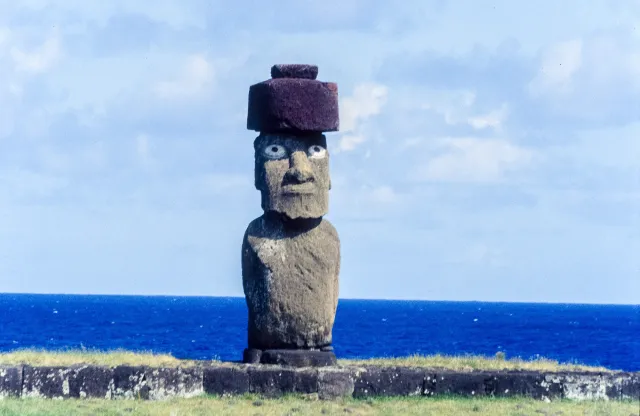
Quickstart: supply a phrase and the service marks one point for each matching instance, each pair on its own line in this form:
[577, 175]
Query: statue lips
[305, 188]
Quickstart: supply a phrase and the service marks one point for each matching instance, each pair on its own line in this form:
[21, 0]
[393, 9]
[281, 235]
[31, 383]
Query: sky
[488, 150]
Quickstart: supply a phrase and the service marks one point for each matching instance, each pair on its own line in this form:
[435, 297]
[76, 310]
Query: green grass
[298, 405]
[123, 357]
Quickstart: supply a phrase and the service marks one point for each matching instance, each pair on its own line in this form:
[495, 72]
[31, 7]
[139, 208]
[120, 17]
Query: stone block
[46, 382]
[294, 71]
[299, 358]
[174, 382]
[389, 381]
[10, 381]
[90, 382]
[623, 386]
[526, 384]
[293, 105]
[576, 386]
[334, 383]
[130, 382]
[458, 384]
[271, 381]
[226, 380]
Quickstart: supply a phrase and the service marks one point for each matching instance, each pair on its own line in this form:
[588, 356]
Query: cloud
[22, 185]
[195, 80]
[143, 149]
[457, 107]
[40, 59]
[473, 160]
[558, 66]
[592, 79]
[367, 101]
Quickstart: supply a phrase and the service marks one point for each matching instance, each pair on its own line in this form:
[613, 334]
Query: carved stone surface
[292, 175]
[126, 382]
[10, 381]
[290, 279]
[299, 358]
[291, 255]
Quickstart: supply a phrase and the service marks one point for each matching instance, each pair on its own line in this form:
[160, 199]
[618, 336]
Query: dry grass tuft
[475, 362]
[114, 358]
[111, 358]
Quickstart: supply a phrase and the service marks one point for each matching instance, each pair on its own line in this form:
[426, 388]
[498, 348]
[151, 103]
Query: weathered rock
[462, 384]
[10, 381]
[251, 356]
[290, 255]
[299, 358]
[292, 174]
[389, 381]
[334, 383]
[294, 71]
[293, 101]
[623, 386]
[273, 381]
[226, 380]
[290, 280]
[174, 382]
[129, 383]
[527, 384]
[90, 382]
[151, 383]
[46, 382]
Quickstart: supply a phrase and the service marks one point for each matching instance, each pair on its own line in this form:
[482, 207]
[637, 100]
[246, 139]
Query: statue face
[292, 173]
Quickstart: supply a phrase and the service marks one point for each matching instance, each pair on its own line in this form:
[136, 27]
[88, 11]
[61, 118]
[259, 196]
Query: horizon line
[340, 298]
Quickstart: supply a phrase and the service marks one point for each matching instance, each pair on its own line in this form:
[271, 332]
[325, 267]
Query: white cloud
[559, 64]
[367, 101]
[474, 160]
[492, 119]
[195, 80]
[143, 149]
[39, 59]
[350, 142]
[23, 183]
[457, 107]
[384, 194]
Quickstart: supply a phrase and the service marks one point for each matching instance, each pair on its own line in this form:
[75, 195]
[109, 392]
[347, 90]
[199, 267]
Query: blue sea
[214, 327]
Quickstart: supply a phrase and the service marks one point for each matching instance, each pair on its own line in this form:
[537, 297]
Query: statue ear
[258, 177]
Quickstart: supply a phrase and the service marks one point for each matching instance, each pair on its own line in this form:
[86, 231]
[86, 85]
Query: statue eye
[275, 151]
[317, 152]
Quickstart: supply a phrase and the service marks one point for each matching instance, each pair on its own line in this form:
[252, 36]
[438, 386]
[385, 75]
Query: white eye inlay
[317, 152]
[275, 151]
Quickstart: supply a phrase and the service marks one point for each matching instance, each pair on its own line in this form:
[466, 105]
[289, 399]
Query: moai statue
[291, 255]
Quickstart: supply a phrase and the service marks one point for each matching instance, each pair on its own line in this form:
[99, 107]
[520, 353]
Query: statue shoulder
[329, 229]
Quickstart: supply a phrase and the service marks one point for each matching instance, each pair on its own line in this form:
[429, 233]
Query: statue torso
[290, 279]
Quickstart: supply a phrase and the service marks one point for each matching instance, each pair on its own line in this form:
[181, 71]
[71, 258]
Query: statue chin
[297, 206]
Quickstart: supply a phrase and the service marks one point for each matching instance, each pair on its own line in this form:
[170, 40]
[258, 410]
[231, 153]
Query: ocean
[215, 327]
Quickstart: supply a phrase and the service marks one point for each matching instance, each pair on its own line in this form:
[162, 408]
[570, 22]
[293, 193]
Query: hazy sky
[489, 150]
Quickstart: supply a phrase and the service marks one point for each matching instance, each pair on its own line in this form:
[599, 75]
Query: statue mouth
[299, 189]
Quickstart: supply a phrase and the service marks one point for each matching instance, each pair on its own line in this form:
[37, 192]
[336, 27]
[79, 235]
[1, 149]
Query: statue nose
[300, 170]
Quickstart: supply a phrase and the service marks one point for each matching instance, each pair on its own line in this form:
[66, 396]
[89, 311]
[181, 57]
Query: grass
[476, 362]
[113, 358]
[298, 405]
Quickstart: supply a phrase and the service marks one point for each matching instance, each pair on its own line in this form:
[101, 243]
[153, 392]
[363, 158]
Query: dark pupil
[316, 148]
[274, 149]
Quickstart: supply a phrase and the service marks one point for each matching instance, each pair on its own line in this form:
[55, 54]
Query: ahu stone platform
[150, 383]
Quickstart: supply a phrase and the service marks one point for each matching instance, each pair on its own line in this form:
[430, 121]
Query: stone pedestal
[291, 358]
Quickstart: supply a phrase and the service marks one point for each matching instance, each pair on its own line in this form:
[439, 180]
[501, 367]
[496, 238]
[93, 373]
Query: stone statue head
[291, 111]
[292, 174]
